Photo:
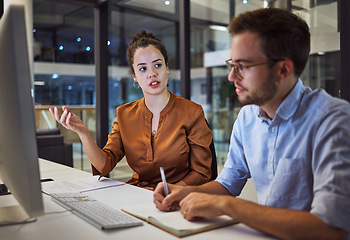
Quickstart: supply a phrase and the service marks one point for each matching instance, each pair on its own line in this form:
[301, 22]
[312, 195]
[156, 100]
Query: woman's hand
[69, 120]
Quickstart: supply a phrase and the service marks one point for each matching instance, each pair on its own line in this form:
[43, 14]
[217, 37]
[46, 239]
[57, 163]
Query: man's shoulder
[320, 100]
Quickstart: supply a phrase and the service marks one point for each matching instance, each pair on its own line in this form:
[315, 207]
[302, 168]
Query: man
[293, 142]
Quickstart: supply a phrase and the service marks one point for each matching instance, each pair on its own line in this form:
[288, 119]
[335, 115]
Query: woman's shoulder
[183, 102]
[185, 108]
[130, 106]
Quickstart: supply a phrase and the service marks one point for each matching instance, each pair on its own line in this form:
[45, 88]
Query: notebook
[174, 222]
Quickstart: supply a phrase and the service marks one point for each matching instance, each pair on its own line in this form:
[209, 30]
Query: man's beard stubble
[268, 89]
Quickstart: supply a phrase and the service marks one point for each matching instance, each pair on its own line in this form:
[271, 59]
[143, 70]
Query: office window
[64, 72]
[126, 19]
[64, 53]
[322, 70]
[63, 32]
[64, 90]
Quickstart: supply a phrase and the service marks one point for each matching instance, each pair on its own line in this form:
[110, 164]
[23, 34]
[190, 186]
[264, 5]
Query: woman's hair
[144, 39]
[283, 34]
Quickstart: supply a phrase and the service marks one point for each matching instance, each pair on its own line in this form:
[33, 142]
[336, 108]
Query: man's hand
[198, 205]
[170, 202]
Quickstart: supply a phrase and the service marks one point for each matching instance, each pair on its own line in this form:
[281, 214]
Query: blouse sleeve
[114, 150]
[199, 139]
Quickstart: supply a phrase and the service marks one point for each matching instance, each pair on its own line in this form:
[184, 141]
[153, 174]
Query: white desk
[59, 224]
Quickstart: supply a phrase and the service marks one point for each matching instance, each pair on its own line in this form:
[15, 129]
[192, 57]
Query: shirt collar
[290, 104]
[167, 108]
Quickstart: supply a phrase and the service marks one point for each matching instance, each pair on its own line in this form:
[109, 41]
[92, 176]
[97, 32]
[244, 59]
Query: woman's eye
[142, 69]
[158, 65]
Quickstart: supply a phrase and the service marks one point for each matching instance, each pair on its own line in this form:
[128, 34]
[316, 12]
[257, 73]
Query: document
[174, 222]
[78, 185]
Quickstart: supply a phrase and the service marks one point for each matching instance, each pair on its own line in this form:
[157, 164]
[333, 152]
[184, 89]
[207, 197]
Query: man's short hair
[283, 34]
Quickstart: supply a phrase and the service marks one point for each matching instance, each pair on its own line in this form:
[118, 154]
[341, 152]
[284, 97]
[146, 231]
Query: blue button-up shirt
[298, 160]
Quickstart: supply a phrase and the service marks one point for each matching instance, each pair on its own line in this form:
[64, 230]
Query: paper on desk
[79, 185]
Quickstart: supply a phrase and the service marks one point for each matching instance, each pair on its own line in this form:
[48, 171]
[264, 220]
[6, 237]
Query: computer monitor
[19, 168]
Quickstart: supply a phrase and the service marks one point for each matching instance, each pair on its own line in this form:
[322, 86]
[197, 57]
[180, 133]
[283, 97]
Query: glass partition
[322, 70]
[63, 32]
[64, 63]
[64, 72]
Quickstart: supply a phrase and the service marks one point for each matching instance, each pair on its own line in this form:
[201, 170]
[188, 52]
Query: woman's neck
[156, 103]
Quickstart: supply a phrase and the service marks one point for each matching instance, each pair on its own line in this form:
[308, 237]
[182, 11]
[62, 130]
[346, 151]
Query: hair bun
[143, 34]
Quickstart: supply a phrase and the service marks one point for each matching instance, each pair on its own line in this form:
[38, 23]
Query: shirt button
[273, 129]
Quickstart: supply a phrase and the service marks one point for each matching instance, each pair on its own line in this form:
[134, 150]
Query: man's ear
[134, 77]
[286, 68]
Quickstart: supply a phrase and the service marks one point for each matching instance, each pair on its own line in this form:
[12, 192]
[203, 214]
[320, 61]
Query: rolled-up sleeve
[235, 173]
[331, 166]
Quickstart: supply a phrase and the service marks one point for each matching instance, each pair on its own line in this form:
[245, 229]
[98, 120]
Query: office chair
[214, 166]
[51, 146]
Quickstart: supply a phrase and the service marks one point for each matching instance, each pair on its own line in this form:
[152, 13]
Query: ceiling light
[266, 4]
[218, 28]
[39, 83]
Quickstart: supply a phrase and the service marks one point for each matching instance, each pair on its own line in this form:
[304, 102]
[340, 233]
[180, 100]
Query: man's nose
[232, 76]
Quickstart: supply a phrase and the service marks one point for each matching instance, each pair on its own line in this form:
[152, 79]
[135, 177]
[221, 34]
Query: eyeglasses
[238, 68]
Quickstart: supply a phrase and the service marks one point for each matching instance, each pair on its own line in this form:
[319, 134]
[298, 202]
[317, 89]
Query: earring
[136, 84]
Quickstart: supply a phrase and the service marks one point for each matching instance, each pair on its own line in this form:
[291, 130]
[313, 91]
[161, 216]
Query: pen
[162, 174]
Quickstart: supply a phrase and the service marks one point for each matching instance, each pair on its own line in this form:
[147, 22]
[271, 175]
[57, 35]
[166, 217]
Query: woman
[159, 130]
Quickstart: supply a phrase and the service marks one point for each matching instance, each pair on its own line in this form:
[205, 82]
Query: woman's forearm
[93, 152]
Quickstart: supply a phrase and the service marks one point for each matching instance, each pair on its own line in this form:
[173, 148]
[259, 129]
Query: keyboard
[94, 212]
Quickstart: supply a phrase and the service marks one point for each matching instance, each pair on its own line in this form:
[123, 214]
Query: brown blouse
[180, 145]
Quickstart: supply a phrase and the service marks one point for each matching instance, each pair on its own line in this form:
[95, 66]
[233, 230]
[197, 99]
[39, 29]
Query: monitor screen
[19, 169]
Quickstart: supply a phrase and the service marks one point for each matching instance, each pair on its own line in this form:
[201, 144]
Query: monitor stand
[14, 214]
